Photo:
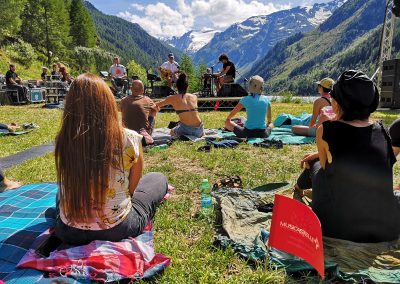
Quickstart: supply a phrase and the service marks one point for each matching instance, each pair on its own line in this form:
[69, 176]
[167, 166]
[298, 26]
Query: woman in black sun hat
[351, 175]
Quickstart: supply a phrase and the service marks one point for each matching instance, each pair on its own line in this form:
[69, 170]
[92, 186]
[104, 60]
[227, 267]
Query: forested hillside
[348, 39]
[35, 33]
[129, 40]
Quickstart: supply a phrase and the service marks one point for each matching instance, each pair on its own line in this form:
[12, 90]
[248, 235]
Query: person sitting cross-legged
[102, 194]
[138, 110]
[324, 89]
[185, 106]
[258, 110]
[351, 175]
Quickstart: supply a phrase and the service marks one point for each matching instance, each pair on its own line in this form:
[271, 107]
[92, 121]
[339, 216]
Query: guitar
[167, 74]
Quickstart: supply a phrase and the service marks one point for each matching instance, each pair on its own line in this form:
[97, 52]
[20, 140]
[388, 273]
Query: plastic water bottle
[206, 199]
[158, 148]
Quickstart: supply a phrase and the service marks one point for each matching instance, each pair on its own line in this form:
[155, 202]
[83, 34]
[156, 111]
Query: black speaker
[231, 90]
[390, 85]
[161, 92]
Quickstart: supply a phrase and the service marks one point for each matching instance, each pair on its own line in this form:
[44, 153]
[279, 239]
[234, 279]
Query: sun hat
[327, 83]
[355, 92]
[256, 85]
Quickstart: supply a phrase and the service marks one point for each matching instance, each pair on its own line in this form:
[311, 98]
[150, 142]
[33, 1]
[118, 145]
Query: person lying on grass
[185, 106]
[12, 127]
[351, 175]
[102, 194]
[258, 111]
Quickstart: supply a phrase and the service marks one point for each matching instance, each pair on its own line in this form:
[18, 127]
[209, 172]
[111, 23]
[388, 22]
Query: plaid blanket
[28, 212]
[132, 258]
[24, 214]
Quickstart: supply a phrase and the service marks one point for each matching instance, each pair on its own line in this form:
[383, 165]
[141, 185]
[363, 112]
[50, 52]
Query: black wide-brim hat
[355, 92]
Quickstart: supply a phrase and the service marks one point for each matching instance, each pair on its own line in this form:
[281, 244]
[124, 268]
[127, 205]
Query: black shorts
[243, 132]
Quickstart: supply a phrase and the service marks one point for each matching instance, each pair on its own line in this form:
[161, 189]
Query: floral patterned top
[118, 199]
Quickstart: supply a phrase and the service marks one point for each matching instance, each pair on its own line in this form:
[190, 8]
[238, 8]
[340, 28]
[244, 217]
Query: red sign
[296, 229]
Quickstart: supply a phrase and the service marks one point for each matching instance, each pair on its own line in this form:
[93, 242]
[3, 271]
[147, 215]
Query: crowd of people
[99, 162]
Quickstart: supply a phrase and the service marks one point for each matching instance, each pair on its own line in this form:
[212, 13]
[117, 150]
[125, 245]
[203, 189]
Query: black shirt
[353, 197]
[43, 75]
[232, 70]
[11, 75]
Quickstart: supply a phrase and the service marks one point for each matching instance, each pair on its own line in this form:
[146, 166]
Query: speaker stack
[231, 90]
[390, 88]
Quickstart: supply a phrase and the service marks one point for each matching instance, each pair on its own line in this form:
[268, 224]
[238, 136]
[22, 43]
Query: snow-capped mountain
[248, 41]
[192, 41]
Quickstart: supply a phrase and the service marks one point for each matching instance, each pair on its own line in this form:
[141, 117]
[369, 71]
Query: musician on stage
[169, 69]
[118, 75]
[228, 73]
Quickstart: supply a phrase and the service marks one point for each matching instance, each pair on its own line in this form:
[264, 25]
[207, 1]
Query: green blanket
[241, 226]
[286, 136]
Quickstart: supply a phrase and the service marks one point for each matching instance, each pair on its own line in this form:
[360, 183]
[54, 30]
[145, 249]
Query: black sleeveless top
[353, 197]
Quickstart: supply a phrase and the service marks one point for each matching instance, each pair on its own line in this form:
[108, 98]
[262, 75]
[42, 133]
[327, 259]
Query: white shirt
[173, 67]
[117, 71]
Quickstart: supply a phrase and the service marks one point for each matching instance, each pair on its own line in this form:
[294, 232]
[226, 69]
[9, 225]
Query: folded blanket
[132, 258]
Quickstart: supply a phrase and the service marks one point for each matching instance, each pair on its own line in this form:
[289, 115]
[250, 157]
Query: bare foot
[7, 184]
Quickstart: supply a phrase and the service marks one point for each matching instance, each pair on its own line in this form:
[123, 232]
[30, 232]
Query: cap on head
[256, 85]
[355, 92]
[170, 55]
[326, 83]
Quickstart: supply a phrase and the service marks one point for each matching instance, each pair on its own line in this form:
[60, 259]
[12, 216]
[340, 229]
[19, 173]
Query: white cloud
[161, 20]
[138, 7]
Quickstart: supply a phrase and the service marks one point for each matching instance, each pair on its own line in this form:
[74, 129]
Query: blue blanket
[24, 214]
[286, 136]
[288, 120]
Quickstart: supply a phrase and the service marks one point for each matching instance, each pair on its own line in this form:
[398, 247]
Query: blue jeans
[183, 129]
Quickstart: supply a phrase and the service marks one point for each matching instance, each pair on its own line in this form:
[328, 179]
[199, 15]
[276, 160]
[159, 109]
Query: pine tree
[10, 17]
[46, 26]
[83, 31]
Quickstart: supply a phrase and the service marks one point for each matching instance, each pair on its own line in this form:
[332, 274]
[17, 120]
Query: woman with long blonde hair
[102, 194]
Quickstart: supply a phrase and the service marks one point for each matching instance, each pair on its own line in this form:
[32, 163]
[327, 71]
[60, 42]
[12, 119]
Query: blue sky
[166, 18]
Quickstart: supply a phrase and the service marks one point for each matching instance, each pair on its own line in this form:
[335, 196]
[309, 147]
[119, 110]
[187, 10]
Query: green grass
[179, 232]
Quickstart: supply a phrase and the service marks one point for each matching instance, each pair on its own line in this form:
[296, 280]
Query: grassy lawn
[179, 234]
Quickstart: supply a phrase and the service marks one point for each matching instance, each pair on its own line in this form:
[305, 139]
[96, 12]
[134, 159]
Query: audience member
[185, 106]
[258, 110]
[324, 89]
[13, 81]
[44, 73]
[102, 194]
[138, 110]
[394, 131]
[351, 175]
[55, 71]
